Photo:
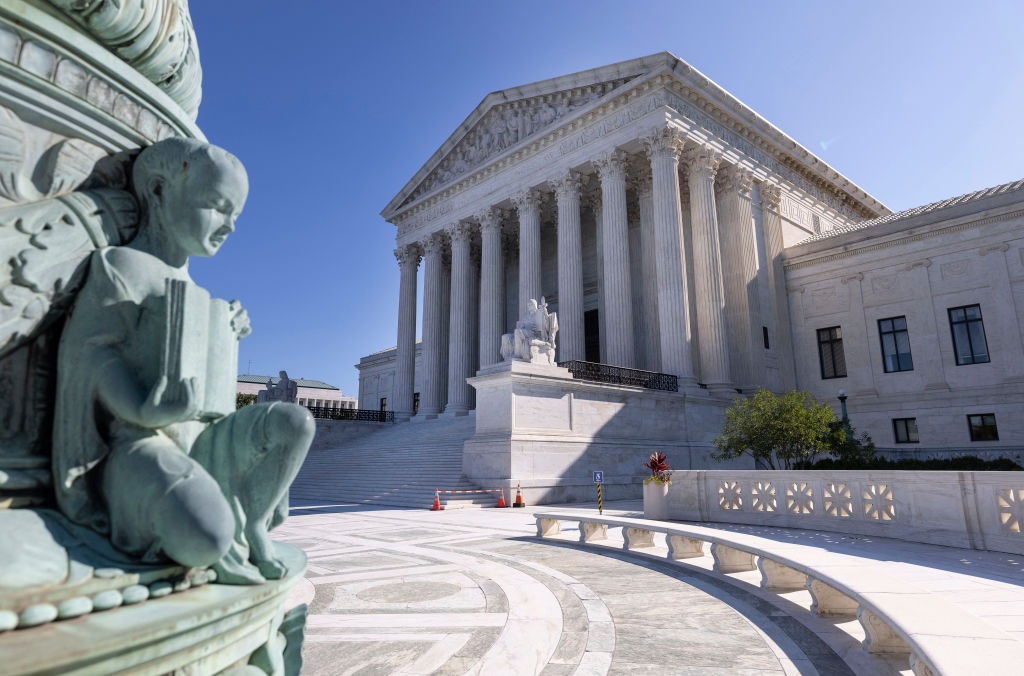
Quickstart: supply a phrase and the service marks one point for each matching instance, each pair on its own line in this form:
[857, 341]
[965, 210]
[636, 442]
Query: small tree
[777, 430]
[242, 400]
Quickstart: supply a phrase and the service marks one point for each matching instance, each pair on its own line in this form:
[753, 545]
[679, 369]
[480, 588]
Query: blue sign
[598, 477]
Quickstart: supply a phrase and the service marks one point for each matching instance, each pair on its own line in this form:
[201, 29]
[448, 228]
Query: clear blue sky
[333, 106]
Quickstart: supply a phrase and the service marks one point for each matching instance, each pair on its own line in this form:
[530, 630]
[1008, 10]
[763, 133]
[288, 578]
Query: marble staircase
[398, 465]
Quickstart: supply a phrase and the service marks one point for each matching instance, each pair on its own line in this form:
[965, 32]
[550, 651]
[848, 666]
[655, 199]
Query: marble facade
[661, 219]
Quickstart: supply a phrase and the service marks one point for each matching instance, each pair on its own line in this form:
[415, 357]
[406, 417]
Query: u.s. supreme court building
[679, 234]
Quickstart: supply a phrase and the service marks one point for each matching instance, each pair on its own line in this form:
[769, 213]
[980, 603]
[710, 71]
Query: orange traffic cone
[501, 499]
[519, 498]
[437, 502]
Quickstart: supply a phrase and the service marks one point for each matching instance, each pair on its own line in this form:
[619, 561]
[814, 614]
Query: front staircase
[398, 465]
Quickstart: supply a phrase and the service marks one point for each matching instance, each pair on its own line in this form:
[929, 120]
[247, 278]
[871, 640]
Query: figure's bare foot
[272, 569]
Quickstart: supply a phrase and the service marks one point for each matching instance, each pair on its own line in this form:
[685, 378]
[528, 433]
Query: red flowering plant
[658, 464]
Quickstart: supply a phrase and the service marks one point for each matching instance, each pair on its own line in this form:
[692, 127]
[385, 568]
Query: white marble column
[739, 275]
[611, 168]
[474, 312]
[663, 148]
[460, 351]
[433, 335]
[492, 288]
[405, 357]
[571, 339]
[649, 272]
[528, 205]
[771, 196]
[446, 297]
[702, 163]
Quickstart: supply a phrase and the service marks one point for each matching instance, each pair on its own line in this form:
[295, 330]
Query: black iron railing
[365, 415]
[617, 375]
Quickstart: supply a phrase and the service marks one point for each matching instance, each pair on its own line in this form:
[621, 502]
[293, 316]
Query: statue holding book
[147, 444]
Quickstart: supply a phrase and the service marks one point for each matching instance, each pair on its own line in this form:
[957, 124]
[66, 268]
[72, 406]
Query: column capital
[734, 178]
[408, 255]
[702, 161]
[664, 142]
[432, 244]
[489, 218]
[771, 196]
[567, 184]
[527, 199]
[611, 165]
[459, 232]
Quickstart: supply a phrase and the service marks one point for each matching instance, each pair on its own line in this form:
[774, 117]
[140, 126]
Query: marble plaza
[677, 233]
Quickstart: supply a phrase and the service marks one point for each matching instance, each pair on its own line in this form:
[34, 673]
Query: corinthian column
[707, 261]
[571, 340]
[615, 251]
[460, 352]
[528, 205]
[771, 196]
[649, 252]
[739, 275]
[492, 285]
[433, 332]
[663, 148]
[405, 357]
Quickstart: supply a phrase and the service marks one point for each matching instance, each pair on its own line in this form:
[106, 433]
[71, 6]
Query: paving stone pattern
[396, 591]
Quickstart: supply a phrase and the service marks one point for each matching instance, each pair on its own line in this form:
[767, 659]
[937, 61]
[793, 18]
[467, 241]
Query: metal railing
[362, 414]
[617, 375]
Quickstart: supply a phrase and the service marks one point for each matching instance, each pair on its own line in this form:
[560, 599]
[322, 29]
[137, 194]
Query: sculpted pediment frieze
[507, 124]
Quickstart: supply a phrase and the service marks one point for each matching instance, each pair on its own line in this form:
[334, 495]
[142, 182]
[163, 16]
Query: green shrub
[965, 463]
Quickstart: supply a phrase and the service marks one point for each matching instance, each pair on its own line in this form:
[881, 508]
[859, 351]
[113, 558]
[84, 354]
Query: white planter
[655, 501]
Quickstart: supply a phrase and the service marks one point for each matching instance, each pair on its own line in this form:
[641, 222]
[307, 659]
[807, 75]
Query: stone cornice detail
[897, 241]
[155, 37]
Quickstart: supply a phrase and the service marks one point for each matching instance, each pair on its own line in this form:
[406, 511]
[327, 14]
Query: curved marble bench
[898, 617]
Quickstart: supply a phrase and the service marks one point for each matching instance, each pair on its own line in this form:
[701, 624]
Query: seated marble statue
[286, 389]
[147, 446]
[534, 337]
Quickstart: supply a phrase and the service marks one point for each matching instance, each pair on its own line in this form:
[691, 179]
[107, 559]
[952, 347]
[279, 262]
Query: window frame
[894, 332]
[906, 429]
[970, 343]
[970, 426]
[821, 353]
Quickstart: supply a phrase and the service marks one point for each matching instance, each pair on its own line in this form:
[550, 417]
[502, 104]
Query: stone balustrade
[974, 510]
[898, 617]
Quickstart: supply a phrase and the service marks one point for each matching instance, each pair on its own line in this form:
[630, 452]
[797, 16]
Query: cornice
[849, 250]
[710, 107]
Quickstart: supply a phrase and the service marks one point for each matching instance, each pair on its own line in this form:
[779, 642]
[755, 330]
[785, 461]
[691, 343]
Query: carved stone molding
[923, 263]
[1002, 248]
[155, 37]
[859, 277]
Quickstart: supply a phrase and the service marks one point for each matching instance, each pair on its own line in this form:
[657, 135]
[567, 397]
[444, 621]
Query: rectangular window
[764, 336]
[895, 340]
[905, 430]
[830, 352]
[415, 403]
[383, 403]
[983, 427]
[969, 344]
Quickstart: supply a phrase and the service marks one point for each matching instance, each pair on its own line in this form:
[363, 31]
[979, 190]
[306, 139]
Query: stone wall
[975, 510]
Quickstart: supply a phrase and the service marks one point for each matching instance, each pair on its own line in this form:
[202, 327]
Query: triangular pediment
[510, 117]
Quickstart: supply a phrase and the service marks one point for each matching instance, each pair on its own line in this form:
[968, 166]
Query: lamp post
[846, 420]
